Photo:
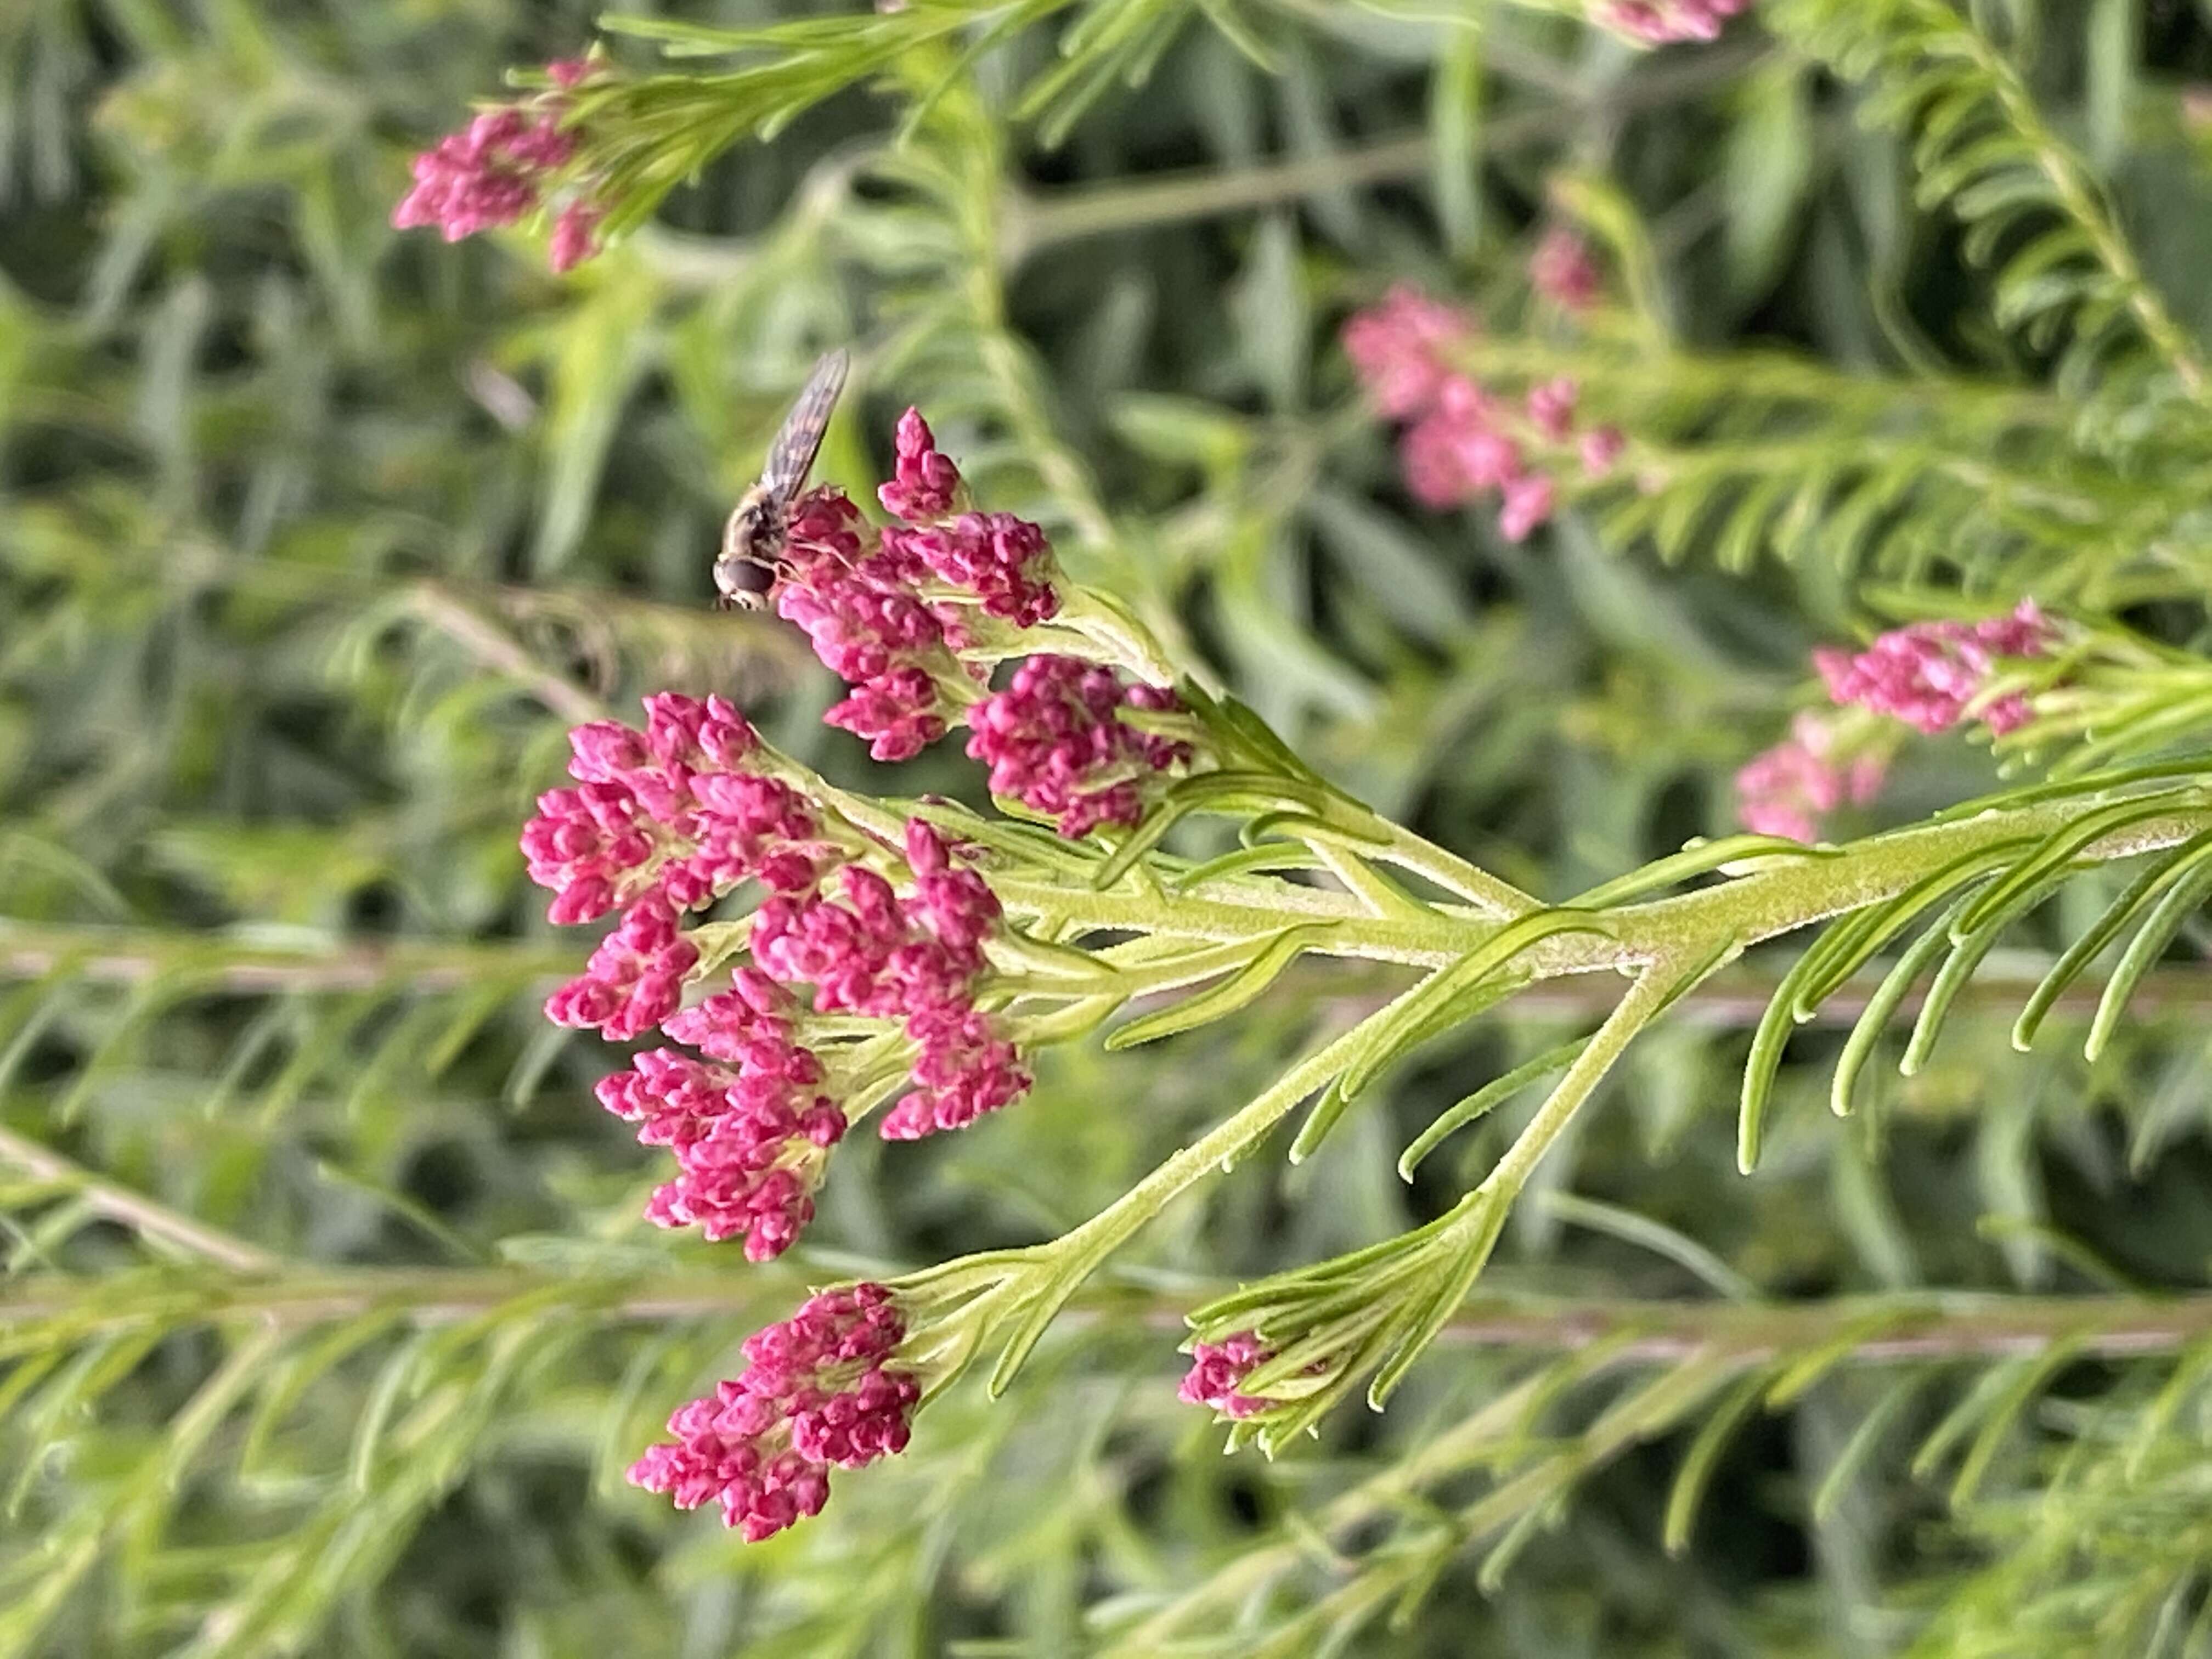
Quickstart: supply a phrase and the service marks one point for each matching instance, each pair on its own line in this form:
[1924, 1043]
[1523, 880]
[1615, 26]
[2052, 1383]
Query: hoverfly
[752, 541]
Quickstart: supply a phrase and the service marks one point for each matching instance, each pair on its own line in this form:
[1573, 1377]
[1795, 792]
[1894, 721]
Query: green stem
[1761, 906]
[1034, 222]
[132, 956]
[1071, 1258]
[147, 1217]
[122, 956]
[1644, 999]
[2071, 180]
[1918, 1327]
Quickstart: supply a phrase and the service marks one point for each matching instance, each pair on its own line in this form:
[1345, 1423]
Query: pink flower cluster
[634, 979]
[1463, 443]
[1562, 270]
[1786, 790]
[496, 171]
[1926, 675]
[669, 820]
[751, 1143]
[917, 959]
[1661, 22]
[1398, 349]
[663, 821]
[1216, 1371]
[817, 1392]
[1054, 741]
[873, 602]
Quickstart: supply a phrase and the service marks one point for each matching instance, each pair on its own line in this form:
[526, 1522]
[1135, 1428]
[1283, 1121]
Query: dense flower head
[1217, 1368]
[750, 1147]
[670, 819]
[1398, 349]
[750, 1143]
[660, 821]
[964, 1069]
[917, 958]
[575, 236]
[669, 810]
[1552, 408]
[1600, 448]
[586, 844]
[497, 171]
[1528, 504]
[924, 481]
[1661, 22]
[888, 611]
[860, 611]
[818, 1392]
[1455, 452]
[634, 980]
[1786, 790]
[1054, 741]
[1462, 442]
[1562, 270]
[1005, 562]
[1928, 673]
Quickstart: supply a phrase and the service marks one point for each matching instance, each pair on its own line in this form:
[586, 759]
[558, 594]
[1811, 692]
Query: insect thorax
[754, 529]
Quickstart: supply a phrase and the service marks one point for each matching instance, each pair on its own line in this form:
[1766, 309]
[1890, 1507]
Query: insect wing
[791, 458]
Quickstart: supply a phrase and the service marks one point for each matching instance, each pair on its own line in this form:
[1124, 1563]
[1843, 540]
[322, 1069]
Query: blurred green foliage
[328, 1324]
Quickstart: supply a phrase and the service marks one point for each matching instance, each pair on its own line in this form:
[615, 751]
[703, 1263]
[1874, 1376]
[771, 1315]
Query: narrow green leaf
[1803, 1372]
[1246, 860]
[1443, 988]
[2004, 1411]
[2070, 967]
[1699, 858]
[2191, 884]
[1859, 1046]
[1764, 1060]
[1455, 133]
[1484, 1099]
[1490, 1575]
[1226, 996]
[1966, 957]
[2053, 856]
[1657, 1236]
[1443, 1301]
[1865, 1439]
[1842, 950]
[1705, 1452]
[1988, 1389]
[1327, 1111]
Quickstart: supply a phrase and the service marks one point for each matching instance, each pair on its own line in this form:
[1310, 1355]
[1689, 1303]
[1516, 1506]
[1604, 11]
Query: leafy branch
[1327, 1325]
[1983, 150]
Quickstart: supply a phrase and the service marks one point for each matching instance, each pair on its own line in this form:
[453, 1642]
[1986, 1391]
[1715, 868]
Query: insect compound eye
[739, 579]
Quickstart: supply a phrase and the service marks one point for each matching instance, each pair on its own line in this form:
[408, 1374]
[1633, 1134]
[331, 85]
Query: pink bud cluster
[634, 979]
[1661, 22]
[1462, 442]
[917, 959]
[1562, 270]
[875, 604]
[670, 819]
[817, 1392]
[1054, 741]
[751, 1143]
[1216, 1371]
[1928, 673]
[1398, 349]
[1789, 788]
[661, 822]
[496, 171]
